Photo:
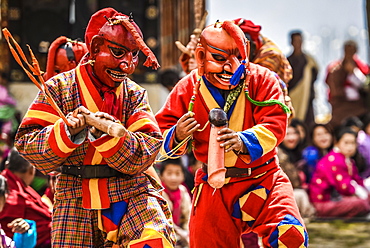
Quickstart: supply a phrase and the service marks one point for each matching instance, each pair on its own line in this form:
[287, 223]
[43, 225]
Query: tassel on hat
[235, 32]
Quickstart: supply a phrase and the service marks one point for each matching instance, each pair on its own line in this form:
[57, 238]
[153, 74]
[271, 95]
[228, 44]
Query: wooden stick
[114, 129]
[35, 69]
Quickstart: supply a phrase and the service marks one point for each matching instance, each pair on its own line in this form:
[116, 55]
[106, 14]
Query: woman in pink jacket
[336, 189]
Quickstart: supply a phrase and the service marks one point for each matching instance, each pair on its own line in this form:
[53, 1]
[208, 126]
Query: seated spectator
[172, 173]
[321, 139]
[356, 125]
[23, 201]
[289, 155]
[363, 141]
[302, 130]
[24, 235]
[352, 122]
[336, 189]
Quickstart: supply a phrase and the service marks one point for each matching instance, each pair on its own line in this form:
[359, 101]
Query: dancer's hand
[186, 126]
[232, 141]
[77, 120]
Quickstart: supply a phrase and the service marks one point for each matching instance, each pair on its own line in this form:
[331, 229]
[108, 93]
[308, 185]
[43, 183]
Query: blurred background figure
[336, 189]
[172, 173]
[8, 120]
[63, 55]
[321, 140]
[290, 158]
[302, 130]
[168, 78]
[301, 86]
[346, 80]
[23, 201]
[355, 124]
[264, 51]
[23, 231]
[363, 141]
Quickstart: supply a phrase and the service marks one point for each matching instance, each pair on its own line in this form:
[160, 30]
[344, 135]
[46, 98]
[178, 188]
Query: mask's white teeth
[118, 75]
[225, 78]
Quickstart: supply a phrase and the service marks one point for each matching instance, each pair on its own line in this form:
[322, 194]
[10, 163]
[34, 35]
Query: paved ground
[339, 234]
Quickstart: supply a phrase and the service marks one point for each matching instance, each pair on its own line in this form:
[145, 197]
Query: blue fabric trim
[250, 223]
[215, 93]
[205, 178]
[253, 145]
[167, 139]
[218, 97]
[237, 213]
[288, 220]
[115, 212]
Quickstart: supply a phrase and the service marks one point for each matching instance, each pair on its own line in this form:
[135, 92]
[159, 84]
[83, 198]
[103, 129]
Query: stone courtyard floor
[339, 234]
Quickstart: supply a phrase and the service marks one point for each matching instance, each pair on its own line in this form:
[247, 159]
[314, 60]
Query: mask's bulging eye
[218, 57]
[117, 52]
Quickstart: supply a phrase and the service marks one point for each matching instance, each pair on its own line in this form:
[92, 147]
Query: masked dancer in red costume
[103, 198]
[63, 55]
[256, 195]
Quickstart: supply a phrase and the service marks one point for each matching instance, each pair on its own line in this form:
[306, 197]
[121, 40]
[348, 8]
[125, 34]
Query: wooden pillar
[178, 20]
[4, 49]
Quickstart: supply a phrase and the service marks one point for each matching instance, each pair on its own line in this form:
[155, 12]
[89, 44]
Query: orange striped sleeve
[59, 141]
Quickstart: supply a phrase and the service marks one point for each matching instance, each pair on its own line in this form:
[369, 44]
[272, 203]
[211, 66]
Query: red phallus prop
[216, 155]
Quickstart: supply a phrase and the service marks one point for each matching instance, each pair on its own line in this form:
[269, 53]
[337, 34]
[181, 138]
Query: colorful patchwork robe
[244, 204]
[43, 140]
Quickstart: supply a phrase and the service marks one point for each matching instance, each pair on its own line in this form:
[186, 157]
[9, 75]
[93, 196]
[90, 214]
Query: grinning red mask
[115, 53]
[114, 42]
[220, 52]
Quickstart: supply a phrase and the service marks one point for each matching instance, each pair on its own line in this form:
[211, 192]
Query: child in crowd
[352, 122]
[336, 189]
[321, 139]
[193, 166]
[289, 154]
[172, 173]
[356, 124]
